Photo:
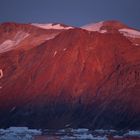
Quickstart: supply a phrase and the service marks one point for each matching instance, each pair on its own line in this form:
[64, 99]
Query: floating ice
[83, 137]
[133, 133]
[18, 133]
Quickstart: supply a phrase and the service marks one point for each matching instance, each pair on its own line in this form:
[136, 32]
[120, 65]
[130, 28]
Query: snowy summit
[105, 26]
[52, 26]
[93, 26]
[96, 27]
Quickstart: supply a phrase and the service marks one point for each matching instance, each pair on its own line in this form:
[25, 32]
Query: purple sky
[72, 12]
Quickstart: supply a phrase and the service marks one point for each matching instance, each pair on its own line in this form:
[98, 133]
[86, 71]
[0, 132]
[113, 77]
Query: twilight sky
[72, 12]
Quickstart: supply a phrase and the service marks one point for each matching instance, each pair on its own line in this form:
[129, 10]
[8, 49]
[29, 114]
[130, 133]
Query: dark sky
[72, 12]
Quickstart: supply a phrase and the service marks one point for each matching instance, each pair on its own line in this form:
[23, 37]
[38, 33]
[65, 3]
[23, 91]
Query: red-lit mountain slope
[53, 75]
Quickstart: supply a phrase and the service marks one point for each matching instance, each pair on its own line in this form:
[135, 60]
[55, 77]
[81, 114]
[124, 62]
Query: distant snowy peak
[93, 26]
[96, 27]
[112, 26]
[56, 26]
[104, 26]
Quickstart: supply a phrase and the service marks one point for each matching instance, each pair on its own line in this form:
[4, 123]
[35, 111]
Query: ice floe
[133, 133]
[18, 133]
[24, 133]
[75, 134]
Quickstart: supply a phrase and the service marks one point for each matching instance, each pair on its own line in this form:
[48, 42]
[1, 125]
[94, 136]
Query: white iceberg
[133, 133]
[18, 133]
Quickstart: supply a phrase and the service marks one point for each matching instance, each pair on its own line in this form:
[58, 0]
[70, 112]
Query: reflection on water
[47, 138]
[59, 138]
[85, 134]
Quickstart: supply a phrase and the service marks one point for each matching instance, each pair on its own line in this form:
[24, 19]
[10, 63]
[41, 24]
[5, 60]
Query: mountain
[54, 75]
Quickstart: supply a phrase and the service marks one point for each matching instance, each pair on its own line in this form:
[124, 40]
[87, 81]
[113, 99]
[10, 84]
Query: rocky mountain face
[56, 76]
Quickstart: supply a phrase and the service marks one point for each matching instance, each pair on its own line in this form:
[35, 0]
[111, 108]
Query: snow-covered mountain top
[52, 26]
[96, 27]
[110, 24]
[107, 26]
[93, 26]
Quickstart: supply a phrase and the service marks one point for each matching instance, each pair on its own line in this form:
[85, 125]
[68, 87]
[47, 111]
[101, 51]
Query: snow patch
[64, 49]
[1, 73]
[136, 44]
[51, 37]
[7, 45]
[103, 31]
[130, 33]
[10, 44]
[51, 26]
[55, 53]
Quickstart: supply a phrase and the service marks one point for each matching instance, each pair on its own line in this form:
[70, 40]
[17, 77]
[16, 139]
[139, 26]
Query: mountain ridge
[79, 77]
